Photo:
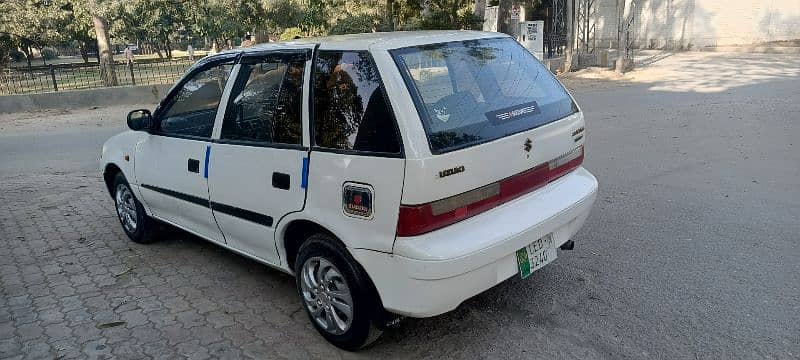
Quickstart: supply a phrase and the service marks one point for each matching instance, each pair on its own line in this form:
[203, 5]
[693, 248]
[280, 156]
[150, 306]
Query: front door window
[192, 110]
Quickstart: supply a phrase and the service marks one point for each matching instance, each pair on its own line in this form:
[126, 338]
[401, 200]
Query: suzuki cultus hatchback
[394, 174]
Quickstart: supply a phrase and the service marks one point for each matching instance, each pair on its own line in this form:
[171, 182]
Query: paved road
[692, 250]
[60, 151]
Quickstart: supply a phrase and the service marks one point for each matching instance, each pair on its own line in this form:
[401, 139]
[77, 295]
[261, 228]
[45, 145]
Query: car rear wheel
[336, 294]
[134, 220]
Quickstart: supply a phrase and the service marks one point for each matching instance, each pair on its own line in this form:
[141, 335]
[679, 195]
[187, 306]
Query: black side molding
[178, 195]
[248, 215]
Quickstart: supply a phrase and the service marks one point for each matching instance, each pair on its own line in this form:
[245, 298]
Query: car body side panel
[328, 173]
[114, 152]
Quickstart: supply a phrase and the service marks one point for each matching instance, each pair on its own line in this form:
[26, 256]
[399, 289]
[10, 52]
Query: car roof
[374, 41]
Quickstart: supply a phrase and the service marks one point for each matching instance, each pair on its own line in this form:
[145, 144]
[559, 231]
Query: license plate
[539, 253]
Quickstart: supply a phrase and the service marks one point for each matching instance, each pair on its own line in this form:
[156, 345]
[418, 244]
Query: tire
[320, 254]
[139, 227]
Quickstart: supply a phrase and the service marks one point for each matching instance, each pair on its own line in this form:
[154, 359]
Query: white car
[396, 174]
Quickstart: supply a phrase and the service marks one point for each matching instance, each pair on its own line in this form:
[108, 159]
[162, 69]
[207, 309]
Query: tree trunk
[479, 9]
[622, 39]
[168, 49]
[390, 14]
[28, 54]
[570, 50]
[104, 48]
[41, 53]
[84, 52]
[504, 17]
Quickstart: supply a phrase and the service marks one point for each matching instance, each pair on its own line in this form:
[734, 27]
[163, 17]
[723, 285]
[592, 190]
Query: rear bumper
[433, 273]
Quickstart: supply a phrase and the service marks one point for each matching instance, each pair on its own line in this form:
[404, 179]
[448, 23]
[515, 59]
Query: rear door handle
[281, 181]
[193, 165]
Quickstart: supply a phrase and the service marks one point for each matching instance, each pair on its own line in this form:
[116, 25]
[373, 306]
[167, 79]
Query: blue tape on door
[205, 167]
[304, 176]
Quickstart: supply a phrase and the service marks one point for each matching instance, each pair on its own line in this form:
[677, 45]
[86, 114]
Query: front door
[170, 163]
[257, 166]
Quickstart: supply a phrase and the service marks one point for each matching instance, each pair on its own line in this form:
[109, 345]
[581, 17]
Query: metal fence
[62, 77]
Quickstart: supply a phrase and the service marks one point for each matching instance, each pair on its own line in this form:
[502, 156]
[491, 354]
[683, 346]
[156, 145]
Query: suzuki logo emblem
[528, 145]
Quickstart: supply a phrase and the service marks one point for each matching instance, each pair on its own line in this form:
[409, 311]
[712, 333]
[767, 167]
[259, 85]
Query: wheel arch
[291, 234]
[294, 232]
[110, 171]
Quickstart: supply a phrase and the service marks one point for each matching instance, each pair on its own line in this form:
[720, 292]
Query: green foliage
[291, 33]
[35, 24]
[444, 20]
[354, 24]
[438, 15]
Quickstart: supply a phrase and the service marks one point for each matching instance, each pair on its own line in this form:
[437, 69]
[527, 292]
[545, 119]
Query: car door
[256, 166]
[355, 178]
[170, 163]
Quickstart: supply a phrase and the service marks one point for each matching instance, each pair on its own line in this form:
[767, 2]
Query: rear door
[357, 162]
[256, 166]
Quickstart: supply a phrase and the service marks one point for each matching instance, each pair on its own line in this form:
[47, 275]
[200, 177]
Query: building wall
[675, 24]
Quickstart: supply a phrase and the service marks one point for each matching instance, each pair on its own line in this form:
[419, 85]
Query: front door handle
[281, 181]
[193, 165]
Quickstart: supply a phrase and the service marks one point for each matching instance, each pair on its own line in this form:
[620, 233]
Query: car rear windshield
[475, 91]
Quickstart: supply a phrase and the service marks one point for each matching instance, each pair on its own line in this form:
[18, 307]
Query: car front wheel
[134, 220]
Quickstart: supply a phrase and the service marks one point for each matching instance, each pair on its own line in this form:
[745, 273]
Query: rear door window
[351, 112]
[471, 92]
[266, 103]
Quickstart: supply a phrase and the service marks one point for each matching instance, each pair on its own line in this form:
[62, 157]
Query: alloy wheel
[326, 295]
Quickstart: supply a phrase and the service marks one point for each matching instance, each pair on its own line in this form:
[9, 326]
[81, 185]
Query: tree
[78, 29]
[224, 20]
[33, 24]
[479, 9]
[162, 21]
[504, 17]
[103, 43]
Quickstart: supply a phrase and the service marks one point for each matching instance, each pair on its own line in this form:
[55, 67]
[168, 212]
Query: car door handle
[193, 165]
[281, 181]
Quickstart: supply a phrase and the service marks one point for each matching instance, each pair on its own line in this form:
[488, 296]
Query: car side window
[267, 105]
[192, 110]
[350, 109]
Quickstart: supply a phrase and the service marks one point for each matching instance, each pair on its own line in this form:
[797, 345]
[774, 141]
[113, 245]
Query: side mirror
[139, 120]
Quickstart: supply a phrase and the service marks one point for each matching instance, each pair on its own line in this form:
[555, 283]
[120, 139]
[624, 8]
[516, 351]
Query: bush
[444, 20]
[354, 24]
[291, 33]
[17, 56]
[49, 54]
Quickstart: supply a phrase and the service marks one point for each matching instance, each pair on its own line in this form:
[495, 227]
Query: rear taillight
[420, 219]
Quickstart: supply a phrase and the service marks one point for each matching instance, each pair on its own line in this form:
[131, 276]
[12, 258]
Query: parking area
[691, 252]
